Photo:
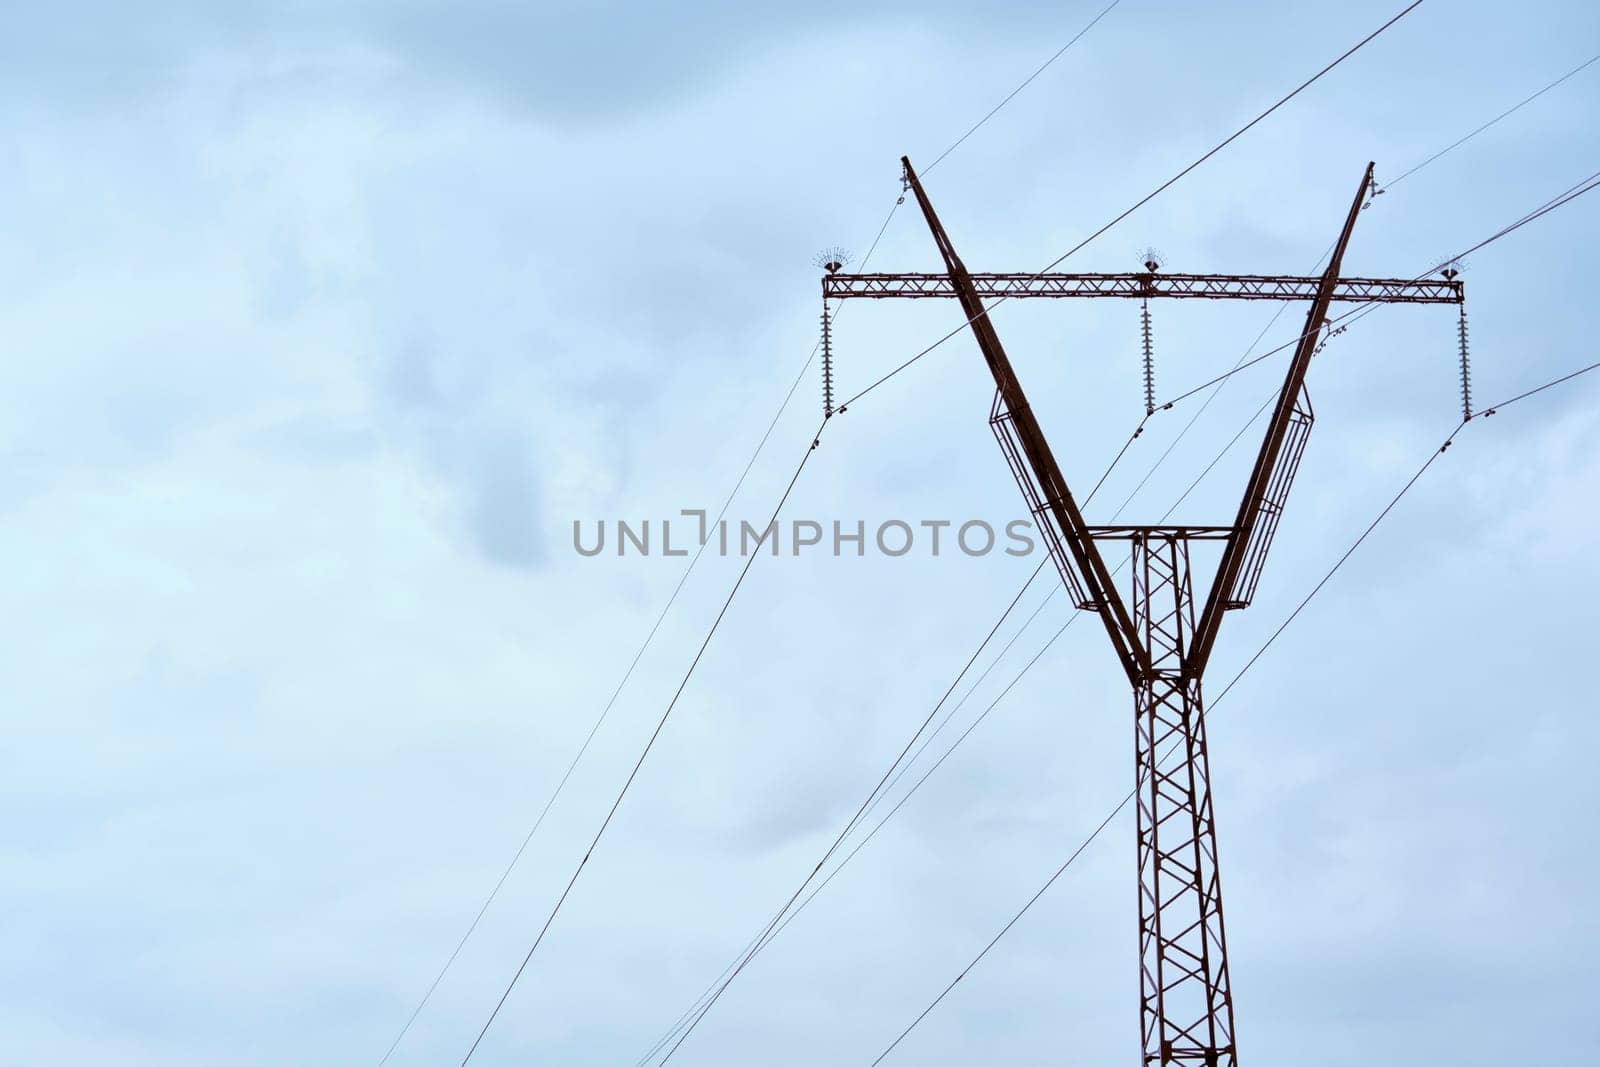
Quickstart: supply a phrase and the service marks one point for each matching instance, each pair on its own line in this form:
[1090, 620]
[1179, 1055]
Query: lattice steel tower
[1163, 643]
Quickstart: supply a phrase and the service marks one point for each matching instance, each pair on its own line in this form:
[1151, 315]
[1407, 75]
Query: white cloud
[324, 327]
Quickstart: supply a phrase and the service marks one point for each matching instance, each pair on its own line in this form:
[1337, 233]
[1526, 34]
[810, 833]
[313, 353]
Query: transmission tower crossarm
[1257, 518]
[924, 285]
[1055, 503]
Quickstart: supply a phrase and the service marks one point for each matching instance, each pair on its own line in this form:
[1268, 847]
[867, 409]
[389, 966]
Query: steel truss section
[1185, 1000]
[1284, 469]
[1039, 506]
[1008, 286]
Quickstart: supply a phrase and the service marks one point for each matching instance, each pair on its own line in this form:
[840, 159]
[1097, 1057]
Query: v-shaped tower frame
[1185, 999]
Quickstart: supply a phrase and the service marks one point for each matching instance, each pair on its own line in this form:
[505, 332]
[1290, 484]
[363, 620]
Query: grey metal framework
[1162, 642]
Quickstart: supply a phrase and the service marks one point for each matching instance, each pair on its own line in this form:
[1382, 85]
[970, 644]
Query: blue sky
[326, 321]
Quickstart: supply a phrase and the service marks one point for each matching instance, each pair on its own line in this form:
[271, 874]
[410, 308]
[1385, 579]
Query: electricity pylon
[1185, 997]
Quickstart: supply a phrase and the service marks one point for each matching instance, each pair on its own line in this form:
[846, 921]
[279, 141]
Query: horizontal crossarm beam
[1180, 533]
[1138, 286]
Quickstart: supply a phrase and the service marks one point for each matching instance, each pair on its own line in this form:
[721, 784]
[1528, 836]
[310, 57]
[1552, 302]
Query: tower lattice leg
[1185, 1003]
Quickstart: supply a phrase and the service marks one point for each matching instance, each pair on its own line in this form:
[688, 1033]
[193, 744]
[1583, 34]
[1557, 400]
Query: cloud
[571, 63]
[506, 520]
[324, 321]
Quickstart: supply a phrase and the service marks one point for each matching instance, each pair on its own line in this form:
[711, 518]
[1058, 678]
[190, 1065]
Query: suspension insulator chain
[1374, 191]
[827, 364]
[1466, 368]
[1149, 360]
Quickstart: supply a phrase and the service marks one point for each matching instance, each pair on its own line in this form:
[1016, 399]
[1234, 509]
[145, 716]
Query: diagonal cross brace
[1057, 498]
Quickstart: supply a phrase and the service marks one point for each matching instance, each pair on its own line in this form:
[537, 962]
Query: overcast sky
[324, 322]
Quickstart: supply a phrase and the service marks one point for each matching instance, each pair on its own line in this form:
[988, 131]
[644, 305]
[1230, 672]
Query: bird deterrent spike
[832, 260]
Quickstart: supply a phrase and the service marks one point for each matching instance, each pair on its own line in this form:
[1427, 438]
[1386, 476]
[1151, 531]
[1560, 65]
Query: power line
[761, 444]
[1572, 193]
[1025, 82]
[703, 1003]
[770, 932]
[689, 569]
[1163, 187]
[1159, 461]
[1202, 409]
[729, 974]
[1361, 310]
[1504, 114]
[854, 820]
[711, 989]
[760, 942]
[661, 724]
[706, 1000]
[1276, 315]
[1486, 412]
[1563, 198]
[749, 954]
[1566, 197]
[1339, 563]
[627, 675]
[745, 571]
[955, 709]
[1003, 931]
[593, 730]
[695, 1013]
[650, 744]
